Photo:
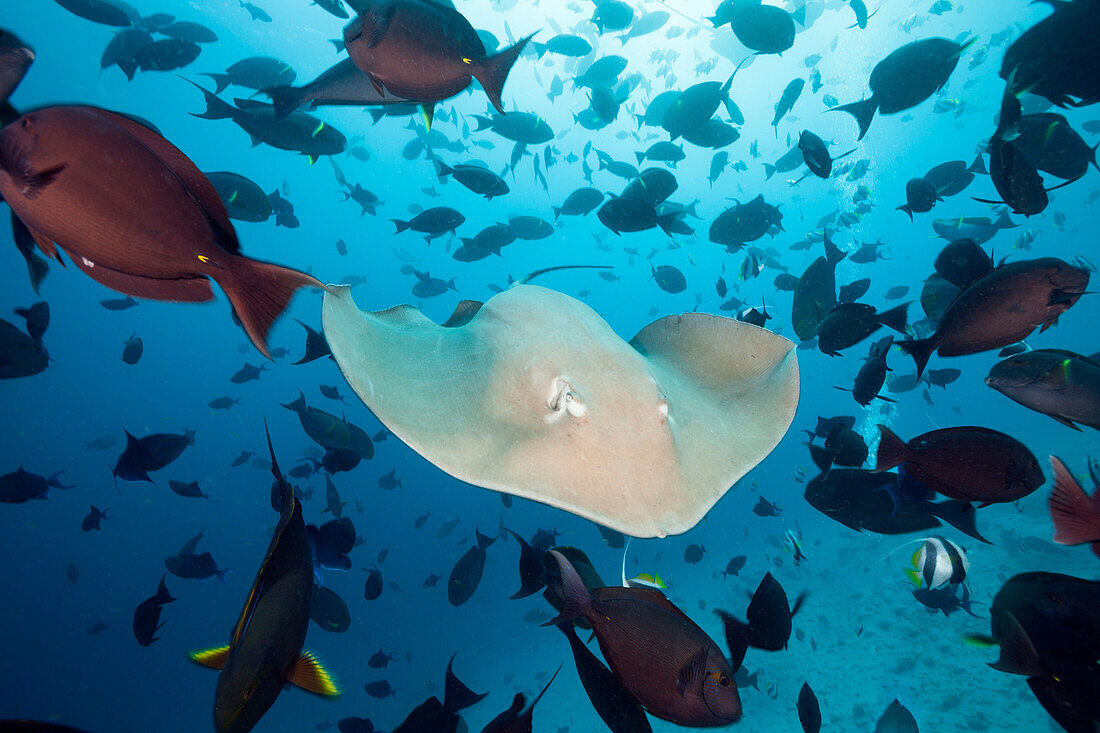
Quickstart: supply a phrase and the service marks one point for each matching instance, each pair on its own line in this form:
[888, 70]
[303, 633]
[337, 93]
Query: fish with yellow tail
[265, 650]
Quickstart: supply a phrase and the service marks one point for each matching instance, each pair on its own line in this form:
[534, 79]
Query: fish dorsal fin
[289, 509]
[213, 658]
[311, 676]
[192, 179]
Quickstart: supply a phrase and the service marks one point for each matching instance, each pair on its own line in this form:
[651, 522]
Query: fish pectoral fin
[691, 674]
[213, 658]
[310, 675]
[376, 83]
[46, 245]
[33, 183]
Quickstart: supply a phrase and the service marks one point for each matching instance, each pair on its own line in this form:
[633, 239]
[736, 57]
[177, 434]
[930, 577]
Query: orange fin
[307, 673]
[214, 658]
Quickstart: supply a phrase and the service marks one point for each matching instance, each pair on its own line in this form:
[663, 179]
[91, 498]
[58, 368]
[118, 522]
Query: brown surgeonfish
[425, 52]
[662, 658]
[966, 462]
[265, 650]
[1002, 308]
[134, 213]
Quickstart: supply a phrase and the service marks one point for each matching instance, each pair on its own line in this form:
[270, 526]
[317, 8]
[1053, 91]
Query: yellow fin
[916, 557]
[914, 576]
[213, 658]
[308, 674]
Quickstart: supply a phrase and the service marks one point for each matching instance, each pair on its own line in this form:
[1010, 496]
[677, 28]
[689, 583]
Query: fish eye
[248, 692]
[724, 680]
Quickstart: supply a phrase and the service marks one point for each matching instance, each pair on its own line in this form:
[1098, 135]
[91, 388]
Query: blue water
[53, 669]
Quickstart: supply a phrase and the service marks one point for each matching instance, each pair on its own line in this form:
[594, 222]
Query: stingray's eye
[564, 398]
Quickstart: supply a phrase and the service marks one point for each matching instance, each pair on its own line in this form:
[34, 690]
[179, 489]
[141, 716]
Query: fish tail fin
[575, 593]
[961, 515]
[284, 100]
[822, 458]
[891, 449]
[213, 658]
[921, 351]
[667, 221]
[221, 81]
[483, 542]
[769, 171]
[401, 225]
[978, 166]
[260, 292]
[311, 676]
[1076, 517]
[863, 111]
[895, 318]
[833, 254]
[223, 573]
[493, 72]
[557, 212]
[457, 696]
[297, 405]
[163, 596]
[442, 169]
[216, 108]
[737, 638]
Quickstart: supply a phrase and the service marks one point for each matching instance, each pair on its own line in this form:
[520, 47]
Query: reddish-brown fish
[134, 213]
[1002, 308]
[968, 463]
[662, 658]
[425, 52]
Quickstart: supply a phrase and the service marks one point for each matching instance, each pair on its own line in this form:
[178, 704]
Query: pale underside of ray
[535, 395]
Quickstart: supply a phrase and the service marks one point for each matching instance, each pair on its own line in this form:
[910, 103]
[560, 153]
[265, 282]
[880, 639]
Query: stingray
[534, 395]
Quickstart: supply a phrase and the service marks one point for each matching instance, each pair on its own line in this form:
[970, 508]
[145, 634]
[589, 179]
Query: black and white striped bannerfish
[936, 563]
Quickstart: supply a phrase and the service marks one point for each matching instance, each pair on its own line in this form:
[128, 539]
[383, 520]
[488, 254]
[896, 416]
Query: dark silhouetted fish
[147, 615]
[466, 573]
[432, 716]
[94, 517]
[328, 610]
[20, 355]
[769, 620]
[809, 712]
[151, 453]
[905, 78]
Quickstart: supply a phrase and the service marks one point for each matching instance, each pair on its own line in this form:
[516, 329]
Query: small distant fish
[765, 508]
[93, 518]
[693, 554]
